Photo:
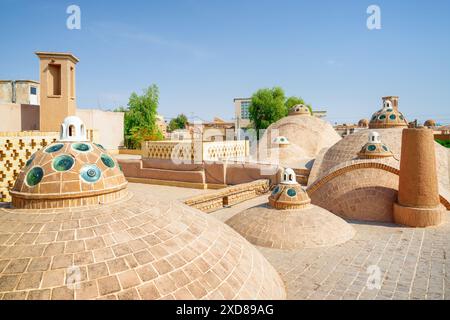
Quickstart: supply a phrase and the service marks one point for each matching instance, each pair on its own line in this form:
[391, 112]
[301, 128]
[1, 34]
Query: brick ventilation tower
[418, 202]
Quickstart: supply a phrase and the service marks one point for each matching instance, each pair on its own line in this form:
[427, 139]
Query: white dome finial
[72, 129]
[374, 137]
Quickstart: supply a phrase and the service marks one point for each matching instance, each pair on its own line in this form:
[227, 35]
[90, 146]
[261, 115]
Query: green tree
[140, 118]
[266, 107]
[180, 122]
[292, 101]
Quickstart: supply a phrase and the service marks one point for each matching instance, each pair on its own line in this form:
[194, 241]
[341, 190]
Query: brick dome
[289, 194]
[388, 116]
[299, 110]
[289, 221]
[374, 148]
[146, 246]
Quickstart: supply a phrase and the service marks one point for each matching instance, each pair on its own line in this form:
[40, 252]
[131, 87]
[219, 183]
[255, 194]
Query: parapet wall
[15, 149]
[195, 151]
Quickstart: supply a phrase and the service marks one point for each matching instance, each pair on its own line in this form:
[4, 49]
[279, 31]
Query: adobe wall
[10, 113]
[362, 194]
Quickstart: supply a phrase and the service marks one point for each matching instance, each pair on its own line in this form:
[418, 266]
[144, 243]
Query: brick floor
[413, 263]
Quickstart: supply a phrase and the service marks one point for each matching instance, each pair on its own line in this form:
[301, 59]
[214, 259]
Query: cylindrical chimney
[418, 203]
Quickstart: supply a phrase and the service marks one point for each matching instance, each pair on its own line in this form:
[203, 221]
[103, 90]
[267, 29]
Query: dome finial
[72, 129]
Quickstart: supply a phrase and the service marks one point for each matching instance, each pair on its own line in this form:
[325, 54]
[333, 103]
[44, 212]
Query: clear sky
[204, 53]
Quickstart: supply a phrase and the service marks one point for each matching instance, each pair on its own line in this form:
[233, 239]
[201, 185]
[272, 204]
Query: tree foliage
[270, 105]
[266, 107]
[140, 118]
[180, 122]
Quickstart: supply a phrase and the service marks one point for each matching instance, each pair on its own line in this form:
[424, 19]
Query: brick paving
[413, 263]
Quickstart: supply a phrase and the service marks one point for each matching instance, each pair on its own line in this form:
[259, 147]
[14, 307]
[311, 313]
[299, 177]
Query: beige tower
[57, 76]
[418, 202]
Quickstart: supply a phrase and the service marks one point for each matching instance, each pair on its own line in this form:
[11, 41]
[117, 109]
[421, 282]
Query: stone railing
[195, 151]
[228, 196]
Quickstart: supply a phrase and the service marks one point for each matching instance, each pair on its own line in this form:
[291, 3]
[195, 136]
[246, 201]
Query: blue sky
[203, 53]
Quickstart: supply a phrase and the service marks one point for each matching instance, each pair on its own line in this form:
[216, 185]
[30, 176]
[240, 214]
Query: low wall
[195, 151]
[228, 196]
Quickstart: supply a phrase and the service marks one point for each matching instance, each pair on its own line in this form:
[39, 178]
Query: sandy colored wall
[10, 115]
[18, 117]
[108, 124]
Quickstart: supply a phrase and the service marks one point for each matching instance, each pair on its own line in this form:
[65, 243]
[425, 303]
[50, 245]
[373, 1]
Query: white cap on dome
[72, 129]
[289, 177]
[374, 137]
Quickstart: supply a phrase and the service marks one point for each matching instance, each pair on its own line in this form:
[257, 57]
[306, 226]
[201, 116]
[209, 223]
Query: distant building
[42, 106]
[19, 91]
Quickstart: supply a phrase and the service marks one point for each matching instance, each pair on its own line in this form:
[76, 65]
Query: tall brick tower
[57, 77]
[418, 203]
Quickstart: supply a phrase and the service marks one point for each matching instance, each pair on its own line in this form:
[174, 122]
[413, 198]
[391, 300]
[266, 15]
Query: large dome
[307, 135]
[69, 173]
[358, 188]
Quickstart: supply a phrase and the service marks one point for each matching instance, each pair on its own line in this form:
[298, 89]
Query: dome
[307, 136]
[72, 129]
[363, 123]
[388, 116]
[288, 194]
[69, 173]
[430, 123]
[365, 189]
[299, 109]
[148, 246]
[289, 221]
[374, 148]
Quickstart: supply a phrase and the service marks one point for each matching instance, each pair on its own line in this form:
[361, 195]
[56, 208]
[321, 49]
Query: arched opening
[71, 130]
[290, 177]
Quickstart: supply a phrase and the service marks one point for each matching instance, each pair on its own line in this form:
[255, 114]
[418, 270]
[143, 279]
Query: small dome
[72, 129]
[281, 140]
[289, 194]
[388, 116]
[374, 148]
[430, 123]
[299, 109]
[69, 173]
[363, 123]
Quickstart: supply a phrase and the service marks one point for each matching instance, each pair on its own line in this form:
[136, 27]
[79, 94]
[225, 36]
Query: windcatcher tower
[418, 203]
[58, 99]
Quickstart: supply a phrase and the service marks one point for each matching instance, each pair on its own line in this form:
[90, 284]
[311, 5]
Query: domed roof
[148, 246]
[307, 136]
[299, 109]
[374, 148]
[388, 116]
[430, 123]
[289, 221]
[69, 174]
[289, 194]
[72, 129]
